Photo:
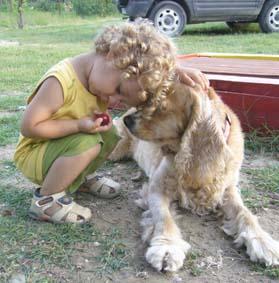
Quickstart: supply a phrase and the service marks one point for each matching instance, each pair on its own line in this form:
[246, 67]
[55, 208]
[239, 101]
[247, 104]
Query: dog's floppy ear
[193, 105]
[200, 123]
[201, 138]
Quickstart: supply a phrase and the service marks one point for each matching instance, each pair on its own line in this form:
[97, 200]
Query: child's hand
[191, 77]
[91, 126]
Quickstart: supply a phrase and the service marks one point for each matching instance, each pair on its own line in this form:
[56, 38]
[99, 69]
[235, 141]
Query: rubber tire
[178, 9]
[263, 18]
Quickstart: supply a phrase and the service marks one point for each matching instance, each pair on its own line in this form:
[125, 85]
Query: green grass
[217, 37]
[252, 199]
[263, 184]
[8, 168]
[266, 179]
[257, 142]
[11, 102]
[30, 247]
[9, 129]
[191, 263]
[27, 245]
[35, 18]
[272, 272]
[60, 34]
[114, 254]
[29, 64]
[43, 45]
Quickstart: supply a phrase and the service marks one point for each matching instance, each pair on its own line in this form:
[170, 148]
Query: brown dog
[192, 151]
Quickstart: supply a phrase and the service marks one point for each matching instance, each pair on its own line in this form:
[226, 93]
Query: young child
[62, 142]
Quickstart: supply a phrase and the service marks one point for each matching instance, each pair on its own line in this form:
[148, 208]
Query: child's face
[128, 92]
[105, 81]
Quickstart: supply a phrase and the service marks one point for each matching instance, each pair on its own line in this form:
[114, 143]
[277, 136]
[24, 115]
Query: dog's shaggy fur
[192, 151]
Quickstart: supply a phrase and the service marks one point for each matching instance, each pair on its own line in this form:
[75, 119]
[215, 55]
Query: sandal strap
[107, 182]
[103, 181]
[45, 202]
[63, 212]
[77, 210]
[68, 211]
[102, 187]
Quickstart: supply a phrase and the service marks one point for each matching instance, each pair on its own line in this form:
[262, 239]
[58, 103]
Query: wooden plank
[254, 111]
[254, 100]
[231, 66]
[248, 84]
[252, 85]
[232, 55]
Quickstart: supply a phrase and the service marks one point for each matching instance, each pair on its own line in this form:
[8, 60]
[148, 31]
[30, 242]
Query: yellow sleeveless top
[78, 103]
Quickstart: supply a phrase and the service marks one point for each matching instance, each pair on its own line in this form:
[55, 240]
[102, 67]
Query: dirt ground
[216, 260]
[213, 257]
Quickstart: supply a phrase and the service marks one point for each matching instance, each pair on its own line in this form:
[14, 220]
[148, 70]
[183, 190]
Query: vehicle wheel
[169, 18]
[269, 17]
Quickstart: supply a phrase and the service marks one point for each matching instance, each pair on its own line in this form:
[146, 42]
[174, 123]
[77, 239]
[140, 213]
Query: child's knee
[94, 151]
[80, 143]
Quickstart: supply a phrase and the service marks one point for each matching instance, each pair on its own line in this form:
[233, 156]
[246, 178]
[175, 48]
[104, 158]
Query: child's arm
[48, 100]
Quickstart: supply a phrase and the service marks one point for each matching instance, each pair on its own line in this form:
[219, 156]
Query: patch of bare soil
[16, 179]
[253, 160]
[7, 114]
[7, 43]
[214, 258]
[10, 93]
[7, 152]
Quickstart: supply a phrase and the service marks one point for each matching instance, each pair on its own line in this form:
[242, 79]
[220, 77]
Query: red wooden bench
[249, 84]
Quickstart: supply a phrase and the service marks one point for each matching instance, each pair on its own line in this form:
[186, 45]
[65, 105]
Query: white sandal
[69, 212]
[101, 187]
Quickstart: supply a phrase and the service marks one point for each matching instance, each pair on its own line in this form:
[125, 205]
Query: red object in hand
[104, 116]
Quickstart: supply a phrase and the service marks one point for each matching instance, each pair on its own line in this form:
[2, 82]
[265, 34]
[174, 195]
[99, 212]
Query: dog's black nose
[129, 121]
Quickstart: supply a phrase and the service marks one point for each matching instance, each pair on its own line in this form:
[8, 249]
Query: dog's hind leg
[240, 223]
[167, 249]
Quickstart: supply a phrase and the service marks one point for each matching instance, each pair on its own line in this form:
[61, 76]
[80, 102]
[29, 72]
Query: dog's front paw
[262, 248]
[167, 255]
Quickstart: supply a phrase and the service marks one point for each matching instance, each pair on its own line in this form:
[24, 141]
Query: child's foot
[101, 187]
[58, 208]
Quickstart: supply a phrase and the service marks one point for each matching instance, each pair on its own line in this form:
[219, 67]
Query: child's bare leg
[64, 171]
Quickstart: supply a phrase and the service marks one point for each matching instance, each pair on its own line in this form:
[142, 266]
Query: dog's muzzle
[129, 122]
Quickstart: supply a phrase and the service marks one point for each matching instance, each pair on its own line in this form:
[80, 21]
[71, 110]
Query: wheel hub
[167, 21]
[273, 18]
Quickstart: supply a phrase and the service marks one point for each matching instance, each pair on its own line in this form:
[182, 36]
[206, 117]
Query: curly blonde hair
[142, 53]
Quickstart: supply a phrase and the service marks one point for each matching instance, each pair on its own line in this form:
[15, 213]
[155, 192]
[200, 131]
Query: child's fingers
[98, 128]
[97, 123]
[103, 128]
[205, 81]
[187, 80]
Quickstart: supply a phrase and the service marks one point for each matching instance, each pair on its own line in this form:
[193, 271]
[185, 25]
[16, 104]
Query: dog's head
[166, 125]
[188, 128]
